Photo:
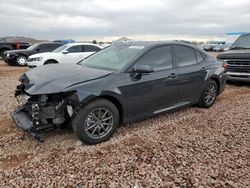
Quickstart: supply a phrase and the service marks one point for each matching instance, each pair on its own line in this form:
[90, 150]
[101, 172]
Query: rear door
[154, 92]
[88, 50]
[191, 73]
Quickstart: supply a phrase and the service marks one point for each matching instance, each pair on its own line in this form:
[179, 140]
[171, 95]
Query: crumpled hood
[235, 54]
[57, 78]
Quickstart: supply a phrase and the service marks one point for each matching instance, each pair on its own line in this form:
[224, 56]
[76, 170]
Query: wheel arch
[22, 54]
[217, 81]
[109, 98]
[116, 102]
[50, 60]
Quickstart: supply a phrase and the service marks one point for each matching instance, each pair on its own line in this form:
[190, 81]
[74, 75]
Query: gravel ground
[192, 147]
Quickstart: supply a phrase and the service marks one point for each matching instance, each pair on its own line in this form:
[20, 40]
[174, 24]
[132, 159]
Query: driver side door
[154, 92]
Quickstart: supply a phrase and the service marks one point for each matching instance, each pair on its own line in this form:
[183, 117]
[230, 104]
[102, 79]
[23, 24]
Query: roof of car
[151, 44]
[49, 43]
[79, 43]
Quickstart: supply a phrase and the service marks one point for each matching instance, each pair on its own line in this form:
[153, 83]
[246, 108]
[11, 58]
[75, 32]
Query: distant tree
[94, 42]
[101, 42]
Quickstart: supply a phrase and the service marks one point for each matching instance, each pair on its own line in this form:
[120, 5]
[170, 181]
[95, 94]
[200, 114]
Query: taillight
[225, 65]
[17, 45]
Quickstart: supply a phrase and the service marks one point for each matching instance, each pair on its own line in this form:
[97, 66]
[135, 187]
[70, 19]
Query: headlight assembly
[35, 59]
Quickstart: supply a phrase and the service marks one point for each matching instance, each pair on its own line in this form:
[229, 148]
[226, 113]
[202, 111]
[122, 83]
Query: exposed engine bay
[37, 113]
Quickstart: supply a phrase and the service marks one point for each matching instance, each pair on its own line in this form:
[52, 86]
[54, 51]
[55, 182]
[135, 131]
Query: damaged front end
[37, 113]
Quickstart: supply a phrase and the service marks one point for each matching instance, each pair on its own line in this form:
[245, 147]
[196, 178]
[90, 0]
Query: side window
[199, 56]
[90, 48]
[75, 49]
[184, 56]
[43, 48]
[157, 58]
[54, 46]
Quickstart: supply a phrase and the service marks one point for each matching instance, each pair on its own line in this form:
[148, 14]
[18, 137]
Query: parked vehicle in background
[120, 84]
[238, 59]
[65, 41]
[208, 47]
[19, 57]
[219, 48]
[12, 46]
[227, 46]
[68, 53]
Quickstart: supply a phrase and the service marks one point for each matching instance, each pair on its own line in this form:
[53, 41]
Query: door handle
[172, 75]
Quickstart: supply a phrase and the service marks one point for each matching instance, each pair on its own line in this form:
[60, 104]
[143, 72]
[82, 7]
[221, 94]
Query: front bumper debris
[22, 119]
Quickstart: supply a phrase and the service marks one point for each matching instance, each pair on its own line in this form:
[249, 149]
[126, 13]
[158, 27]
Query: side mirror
[65, 52]
[38, 49]
[143, 69]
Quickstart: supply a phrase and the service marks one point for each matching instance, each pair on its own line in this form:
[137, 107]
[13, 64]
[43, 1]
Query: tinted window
[75, 49]
[90, 48]
[43, 47]
[184, 56]
[199, 56]
[54, 46]
[157, 58]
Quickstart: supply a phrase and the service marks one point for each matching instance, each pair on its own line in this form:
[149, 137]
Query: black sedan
[120, 84]
[19, 57]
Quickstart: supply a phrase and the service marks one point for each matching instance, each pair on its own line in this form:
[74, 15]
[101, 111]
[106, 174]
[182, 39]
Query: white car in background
[68, 53]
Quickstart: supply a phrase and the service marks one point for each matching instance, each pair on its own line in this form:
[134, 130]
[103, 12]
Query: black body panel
[136, 95]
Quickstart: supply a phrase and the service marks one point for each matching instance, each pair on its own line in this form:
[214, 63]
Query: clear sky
[111, 19]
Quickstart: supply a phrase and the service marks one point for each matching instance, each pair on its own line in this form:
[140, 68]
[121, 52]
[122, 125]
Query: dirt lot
[192, 147]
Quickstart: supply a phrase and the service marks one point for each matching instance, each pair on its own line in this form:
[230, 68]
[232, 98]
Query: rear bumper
[238, 76]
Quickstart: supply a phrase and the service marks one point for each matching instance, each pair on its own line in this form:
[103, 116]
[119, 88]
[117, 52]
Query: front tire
[21, 60]
[209, 94]
[96, 122]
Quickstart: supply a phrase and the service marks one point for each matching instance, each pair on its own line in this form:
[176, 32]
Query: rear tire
[96, 122]
[209, 94]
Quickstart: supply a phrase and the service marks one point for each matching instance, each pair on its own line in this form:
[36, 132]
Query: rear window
[199, 56]
[185, 56]
[90, 48]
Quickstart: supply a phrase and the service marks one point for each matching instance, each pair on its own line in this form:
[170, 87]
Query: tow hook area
[37, 136]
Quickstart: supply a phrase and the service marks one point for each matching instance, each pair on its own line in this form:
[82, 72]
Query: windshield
[32, 47]
[242, 42]
[113, 57]
[61, 48]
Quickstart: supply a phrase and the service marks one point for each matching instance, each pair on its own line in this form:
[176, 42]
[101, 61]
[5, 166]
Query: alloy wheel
[99, 123]
[210, 93]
